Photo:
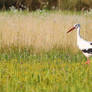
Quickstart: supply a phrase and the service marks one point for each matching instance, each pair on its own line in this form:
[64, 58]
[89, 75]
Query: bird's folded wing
[87, 50]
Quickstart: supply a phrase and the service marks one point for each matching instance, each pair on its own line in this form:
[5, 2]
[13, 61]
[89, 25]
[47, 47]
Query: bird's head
[76, 26]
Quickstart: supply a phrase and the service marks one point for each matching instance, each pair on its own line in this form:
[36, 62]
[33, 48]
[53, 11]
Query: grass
[36, 54]
[53, 76]
[42, 30]
[30, 55]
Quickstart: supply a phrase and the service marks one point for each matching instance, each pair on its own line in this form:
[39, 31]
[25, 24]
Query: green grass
[39, 76]
[56, 70]
[43, 70]
[43, 12]
[25, 54]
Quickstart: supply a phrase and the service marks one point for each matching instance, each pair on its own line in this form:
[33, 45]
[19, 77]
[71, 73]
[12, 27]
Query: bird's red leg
[88, 61]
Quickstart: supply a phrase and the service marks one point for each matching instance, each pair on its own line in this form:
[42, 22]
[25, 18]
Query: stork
[83, 45]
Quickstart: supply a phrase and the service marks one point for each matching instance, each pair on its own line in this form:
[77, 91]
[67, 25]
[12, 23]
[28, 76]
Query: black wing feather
[89, 51]
[90, 43]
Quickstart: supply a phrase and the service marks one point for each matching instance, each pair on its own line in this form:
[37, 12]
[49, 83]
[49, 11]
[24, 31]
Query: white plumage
[83, 45]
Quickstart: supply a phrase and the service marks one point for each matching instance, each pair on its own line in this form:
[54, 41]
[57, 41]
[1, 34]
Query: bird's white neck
[78, 34]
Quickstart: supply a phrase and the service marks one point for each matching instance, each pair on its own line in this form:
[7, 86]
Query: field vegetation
[42, 76]
[77, 5]
[42, 30]
[37, 55]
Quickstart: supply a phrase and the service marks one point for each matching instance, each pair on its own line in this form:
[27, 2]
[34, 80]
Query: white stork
[84, 46]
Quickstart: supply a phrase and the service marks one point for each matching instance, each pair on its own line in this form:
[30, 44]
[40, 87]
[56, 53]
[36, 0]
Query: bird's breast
[82, 44]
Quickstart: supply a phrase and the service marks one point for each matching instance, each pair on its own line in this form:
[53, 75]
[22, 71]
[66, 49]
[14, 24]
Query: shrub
[47, 4]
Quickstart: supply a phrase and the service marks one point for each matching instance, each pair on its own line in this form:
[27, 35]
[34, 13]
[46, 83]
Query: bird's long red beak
[71, 29]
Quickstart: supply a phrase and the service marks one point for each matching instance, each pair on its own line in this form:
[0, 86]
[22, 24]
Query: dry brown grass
[42, 32]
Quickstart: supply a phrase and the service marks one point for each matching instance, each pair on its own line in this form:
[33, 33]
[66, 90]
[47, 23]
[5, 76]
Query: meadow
[37, 55]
